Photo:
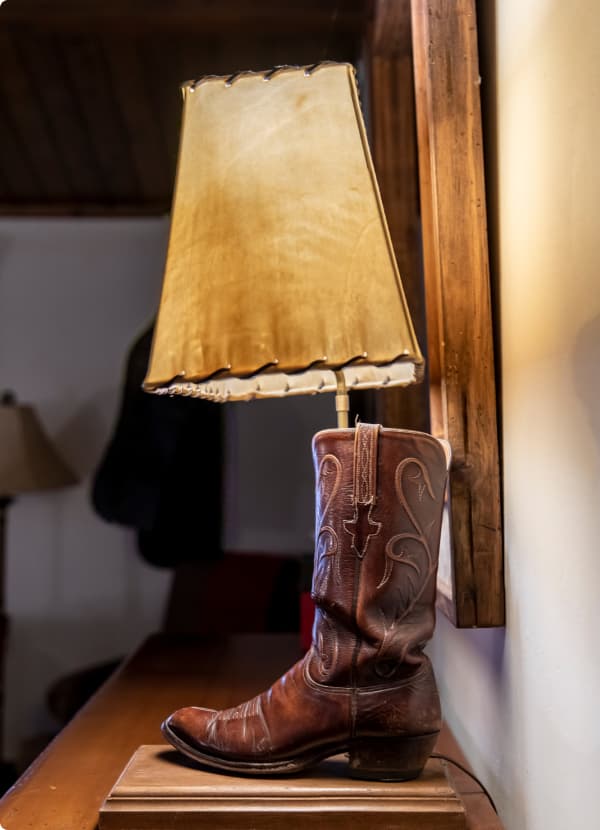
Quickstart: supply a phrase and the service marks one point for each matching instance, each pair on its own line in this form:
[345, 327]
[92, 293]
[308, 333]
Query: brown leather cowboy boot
[365, 687]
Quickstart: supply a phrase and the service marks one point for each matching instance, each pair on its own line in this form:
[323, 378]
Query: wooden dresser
[66, 786]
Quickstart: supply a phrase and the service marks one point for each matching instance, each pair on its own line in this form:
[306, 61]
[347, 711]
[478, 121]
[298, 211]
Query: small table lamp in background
[28, 462]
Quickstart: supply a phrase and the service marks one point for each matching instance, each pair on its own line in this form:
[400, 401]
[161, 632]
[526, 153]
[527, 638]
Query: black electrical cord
[470, 774]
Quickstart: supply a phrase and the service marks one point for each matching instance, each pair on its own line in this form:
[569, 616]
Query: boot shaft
[380, 496]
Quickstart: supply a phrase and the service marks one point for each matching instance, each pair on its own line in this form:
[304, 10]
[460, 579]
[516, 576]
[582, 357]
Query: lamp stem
[342, 401]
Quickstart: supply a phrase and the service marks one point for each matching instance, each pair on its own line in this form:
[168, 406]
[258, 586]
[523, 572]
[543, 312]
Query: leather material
[380, 495]
[280, 263]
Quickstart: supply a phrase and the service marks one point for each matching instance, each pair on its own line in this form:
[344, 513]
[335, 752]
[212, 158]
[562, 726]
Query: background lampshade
[28, 461]
[280, 267]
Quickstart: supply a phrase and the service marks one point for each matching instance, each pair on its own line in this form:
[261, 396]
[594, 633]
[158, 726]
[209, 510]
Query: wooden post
[457, 287]
[394, 140]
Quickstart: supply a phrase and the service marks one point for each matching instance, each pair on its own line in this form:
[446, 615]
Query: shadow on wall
[474, 665]
[586, 360]
[485, 645]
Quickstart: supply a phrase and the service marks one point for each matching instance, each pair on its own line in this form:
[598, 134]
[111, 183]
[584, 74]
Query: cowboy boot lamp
[280, 280]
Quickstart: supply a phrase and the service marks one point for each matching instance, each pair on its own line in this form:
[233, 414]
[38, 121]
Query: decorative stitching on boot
[423, 569]
[327, 543]
[326, 548]
[364, 496]
[359, 528]
[362, 527]
[326, 488]
[364, 488]
[326, 645]
[379, 688]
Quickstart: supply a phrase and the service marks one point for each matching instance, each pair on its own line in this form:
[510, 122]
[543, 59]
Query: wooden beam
[45, 61]
[100, 113]
[21, 99]
[5, 190]
[98, 208]
[15, 165]
[391, 29]
[395, 159]
[457, 287]
[167, 77]
[139, 16]
[140, 117]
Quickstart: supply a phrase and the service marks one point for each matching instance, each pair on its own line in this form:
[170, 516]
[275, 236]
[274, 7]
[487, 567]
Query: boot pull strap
[366, 440]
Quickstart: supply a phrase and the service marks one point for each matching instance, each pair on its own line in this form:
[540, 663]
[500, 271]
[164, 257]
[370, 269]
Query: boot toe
[189, 725]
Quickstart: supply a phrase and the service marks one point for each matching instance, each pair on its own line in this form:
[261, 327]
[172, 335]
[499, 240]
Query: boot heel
[390, 759]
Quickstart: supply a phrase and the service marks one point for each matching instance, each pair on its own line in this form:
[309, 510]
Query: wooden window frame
[423, 59]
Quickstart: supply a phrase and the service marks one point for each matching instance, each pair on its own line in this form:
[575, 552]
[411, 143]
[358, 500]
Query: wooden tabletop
[65, 786]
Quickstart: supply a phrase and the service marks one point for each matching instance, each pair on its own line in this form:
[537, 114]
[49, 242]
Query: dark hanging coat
[162, 470]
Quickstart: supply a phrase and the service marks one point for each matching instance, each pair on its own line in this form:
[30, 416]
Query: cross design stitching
[362, 528]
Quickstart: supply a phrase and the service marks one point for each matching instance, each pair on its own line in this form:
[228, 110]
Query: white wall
[73, 296]
[524, 702]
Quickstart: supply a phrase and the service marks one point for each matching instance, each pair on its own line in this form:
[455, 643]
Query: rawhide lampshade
[280, 269]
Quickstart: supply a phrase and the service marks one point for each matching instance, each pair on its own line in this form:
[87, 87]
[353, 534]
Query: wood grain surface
[458, 297]
[159, 790]
[394, 146]
[90, 105]
[66, 786]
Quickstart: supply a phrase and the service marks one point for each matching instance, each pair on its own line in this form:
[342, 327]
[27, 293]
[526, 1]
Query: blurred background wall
[523, 700]
[73, 295]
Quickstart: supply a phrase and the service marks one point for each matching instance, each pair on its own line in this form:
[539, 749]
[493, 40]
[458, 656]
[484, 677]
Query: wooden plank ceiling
[89, 89]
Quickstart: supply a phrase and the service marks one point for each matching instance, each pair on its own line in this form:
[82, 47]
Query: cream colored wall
[524, 702]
